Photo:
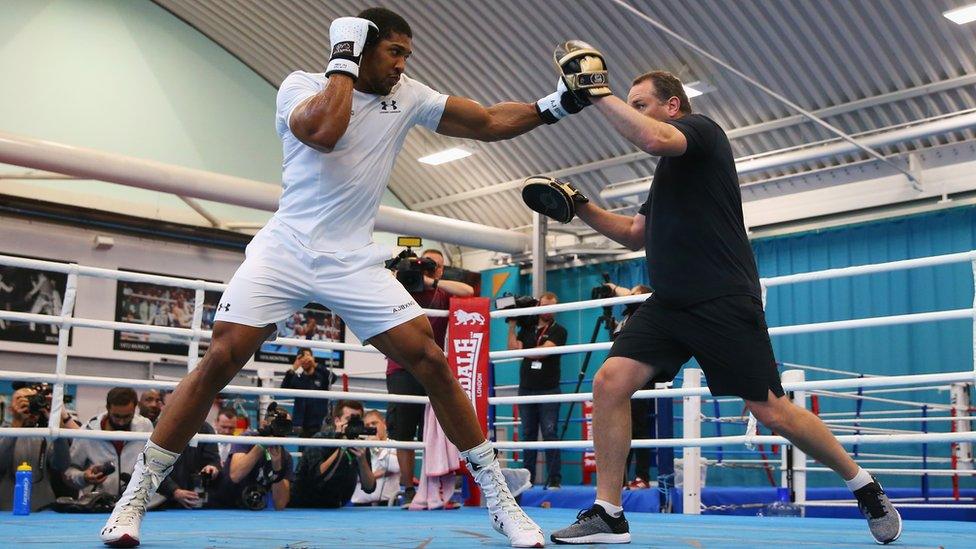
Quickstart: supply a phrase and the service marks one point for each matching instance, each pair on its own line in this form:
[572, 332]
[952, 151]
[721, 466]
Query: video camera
[355, 428]
[603, 292]
[409, 268]
[37, 404]
[509, 301]
[278, 423]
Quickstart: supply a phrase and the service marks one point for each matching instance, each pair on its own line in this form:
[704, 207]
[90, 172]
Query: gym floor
[393, 528]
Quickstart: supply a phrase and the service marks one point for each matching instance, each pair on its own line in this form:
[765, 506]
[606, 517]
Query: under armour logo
[223, 307]
[391, 106]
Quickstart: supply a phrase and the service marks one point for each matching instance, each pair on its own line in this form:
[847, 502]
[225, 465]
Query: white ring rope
[570, 306]
[67, 321]
[575, 397]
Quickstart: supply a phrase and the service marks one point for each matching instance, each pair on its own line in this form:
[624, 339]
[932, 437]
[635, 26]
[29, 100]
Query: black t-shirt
[309, 413]
[330, 490]
[547, 376]
[695, 236]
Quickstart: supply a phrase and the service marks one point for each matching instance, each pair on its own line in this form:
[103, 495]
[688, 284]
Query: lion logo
[464, 318]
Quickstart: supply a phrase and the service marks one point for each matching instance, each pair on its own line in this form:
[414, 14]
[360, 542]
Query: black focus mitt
[552, 198]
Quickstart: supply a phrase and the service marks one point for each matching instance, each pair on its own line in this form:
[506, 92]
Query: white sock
[611, 509]
[860, 480]
[481, 455]
[159, 460]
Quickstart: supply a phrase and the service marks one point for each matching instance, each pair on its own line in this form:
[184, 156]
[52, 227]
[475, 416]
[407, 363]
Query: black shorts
[727, 335]
[404, 421]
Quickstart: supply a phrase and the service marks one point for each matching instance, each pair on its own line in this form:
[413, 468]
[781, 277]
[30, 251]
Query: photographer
[193, 474]
[386, 470]
[406, 420]
[253, 471]
[630, 308]
[106, 465]
[327, 476]
[30, 408]
[308, 413]
[539, 376]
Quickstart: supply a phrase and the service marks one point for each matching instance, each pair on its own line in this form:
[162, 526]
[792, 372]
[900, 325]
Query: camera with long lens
[355, 428]
[278, 423]
[509, 301]
[37, 404]
[410, 269]
[254, 497]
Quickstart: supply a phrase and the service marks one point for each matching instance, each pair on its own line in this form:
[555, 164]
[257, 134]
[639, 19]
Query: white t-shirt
[330, 199]
[387, 486]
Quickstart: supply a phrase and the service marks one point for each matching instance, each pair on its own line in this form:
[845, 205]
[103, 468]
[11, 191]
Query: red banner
[589, 457]
[467, 351]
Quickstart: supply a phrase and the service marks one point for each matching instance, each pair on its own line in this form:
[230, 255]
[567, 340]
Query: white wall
[129, 77]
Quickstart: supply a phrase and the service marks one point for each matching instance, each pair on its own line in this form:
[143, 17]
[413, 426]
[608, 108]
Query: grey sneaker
[594, 525]
[883, 519]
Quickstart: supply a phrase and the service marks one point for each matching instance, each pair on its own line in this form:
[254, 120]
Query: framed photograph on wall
[31, 291]
[159, 305]
[313, 322]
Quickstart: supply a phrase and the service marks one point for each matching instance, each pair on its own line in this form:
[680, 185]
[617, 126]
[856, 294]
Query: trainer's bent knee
[609, 383]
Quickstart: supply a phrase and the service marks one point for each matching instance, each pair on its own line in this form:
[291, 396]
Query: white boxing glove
[349, 37]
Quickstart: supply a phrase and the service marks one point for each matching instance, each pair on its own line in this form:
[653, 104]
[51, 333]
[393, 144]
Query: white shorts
[280, 276]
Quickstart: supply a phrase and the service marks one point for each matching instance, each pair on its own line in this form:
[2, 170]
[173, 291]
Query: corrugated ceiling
[818, 53]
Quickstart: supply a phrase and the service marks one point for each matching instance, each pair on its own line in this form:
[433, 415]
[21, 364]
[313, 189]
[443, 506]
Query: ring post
[691, 455]
[61, 364]
[798, 463]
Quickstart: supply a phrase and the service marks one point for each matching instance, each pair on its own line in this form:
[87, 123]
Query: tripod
[605, 320]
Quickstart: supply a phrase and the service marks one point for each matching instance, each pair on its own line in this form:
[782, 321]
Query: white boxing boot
[152, 466]
[506, 515]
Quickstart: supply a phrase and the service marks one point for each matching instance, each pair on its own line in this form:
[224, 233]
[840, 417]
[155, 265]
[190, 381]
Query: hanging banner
[467, 352]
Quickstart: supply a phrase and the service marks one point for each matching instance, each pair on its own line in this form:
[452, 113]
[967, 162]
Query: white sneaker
[506, 515]
[122, 528]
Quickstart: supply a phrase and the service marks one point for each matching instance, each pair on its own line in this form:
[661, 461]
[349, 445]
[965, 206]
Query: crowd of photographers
[85, 475]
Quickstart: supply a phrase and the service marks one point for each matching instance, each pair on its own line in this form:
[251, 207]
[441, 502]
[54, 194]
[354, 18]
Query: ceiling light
[696, 88]
[961, 16]
[449, 155]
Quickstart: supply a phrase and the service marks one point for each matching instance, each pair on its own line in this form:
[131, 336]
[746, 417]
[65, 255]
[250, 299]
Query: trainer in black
[883, 519]
[594, 525]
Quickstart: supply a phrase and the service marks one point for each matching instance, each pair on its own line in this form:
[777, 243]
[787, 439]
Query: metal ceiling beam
[735, 133]
[157, 176]
[743, 167]
[198, 207]
[768, 91]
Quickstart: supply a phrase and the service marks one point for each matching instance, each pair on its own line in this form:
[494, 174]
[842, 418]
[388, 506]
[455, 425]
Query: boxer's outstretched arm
[467, 118]
[322, 119]
[628, 231]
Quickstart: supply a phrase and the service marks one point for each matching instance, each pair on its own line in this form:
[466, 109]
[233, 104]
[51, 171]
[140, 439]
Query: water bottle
[782, 507]
[22, 489]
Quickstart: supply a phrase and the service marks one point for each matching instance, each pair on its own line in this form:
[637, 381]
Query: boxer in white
[341, 132]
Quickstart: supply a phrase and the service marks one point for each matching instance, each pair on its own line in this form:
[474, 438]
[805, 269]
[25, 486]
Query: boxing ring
[378, 527]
